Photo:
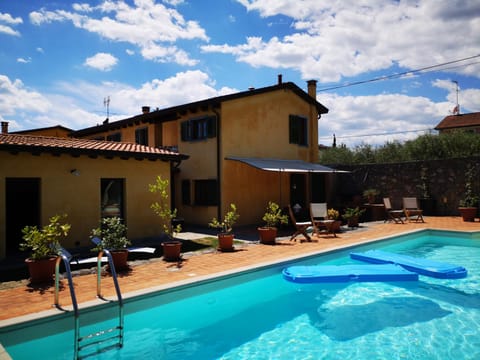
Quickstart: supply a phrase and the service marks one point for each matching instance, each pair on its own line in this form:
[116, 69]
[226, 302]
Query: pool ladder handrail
[66, 257]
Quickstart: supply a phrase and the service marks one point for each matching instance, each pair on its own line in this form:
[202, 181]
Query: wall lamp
[75, 172]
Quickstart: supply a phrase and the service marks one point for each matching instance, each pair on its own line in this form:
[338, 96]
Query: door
[22, 209]
[298, 199]
[317, 184]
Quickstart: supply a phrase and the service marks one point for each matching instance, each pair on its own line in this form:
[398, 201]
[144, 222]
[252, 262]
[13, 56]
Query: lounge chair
[411, 209]
[319, 218]
[392, 215]
[300, 227]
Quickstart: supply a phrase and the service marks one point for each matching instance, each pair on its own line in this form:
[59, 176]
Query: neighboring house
[57, 131]
[85, 179]
[229, 140]
[467, 122]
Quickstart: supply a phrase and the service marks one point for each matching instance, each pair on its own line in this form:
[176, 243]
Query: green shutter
[184, 131]
[212, 126]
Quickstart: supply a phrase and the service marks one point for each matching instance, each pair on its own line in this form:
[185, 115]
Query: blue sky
[59, 60]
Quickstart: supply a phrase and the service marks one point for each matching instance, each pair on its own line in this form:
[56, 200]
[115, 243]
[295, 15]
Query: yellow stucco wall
[258, 127]
[251, 189]
[79, 196]
[201, 165]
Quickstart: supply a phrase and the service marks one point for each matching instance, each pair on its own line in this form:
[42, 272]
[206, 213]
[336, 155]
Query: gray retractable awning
[294, 166]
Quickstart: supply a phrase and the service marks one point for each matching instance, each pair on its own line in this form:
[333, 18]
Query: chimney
[279, 79]
[312, 88]
[4, 127]
[145, 109]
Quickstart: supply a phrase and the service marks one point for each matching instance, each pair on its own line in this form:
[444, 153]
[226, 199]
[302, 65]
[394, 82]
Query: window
[206, 192]
[112, 197]
[199, 129]
[298, 130]
[186, 193]
[141, 136]
[115, 137]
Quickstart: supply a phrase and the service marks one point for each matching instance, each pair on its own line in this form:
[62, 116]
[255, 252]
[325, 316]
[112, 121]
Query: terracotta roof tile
[17, 142]
[459, 121]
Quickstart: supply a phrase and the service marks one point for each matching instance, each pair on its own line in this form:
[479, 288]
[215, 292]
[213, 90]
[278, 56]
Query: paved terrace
[19, 301]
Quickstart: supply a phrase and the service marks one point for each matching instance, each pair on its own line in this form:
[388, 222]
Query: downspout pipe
[219, 174]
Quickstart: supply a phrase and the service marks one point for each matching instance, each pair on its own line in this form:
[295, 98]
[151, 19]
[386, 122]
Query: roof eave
[93, 153]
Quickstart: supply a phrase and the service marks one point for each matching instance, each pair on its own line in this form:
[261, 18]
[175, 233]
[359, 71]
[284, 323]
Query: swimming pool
[258, 315]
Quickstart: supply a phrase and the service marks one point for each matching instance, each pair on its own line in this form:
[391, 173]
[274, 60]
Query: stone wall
[444, 181]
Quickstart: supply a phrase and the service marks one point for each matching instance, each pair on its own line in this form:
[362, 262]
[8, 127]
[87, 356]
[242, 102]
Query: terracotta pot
[468, 213]
[41, 271]
[336, 226]
[120, 259]
[353, 221]
[225, 242]
[171, 250]
[267, 235]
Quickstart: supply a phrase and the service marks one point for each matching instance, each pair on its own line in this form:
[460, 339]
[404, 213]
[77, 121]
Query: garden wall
[442, 180]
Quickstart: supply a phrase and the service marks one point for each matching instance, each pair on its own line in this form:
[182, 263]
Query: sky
[386, 70]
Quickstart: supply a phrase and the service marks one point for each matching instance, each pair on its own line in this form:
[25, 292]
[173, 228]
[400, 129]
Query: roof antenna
[106, 103]
[456, 109]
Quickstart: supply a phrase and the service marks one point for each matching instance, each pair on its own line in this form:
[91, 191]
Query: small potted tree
[272, 217]
[112, 234]
[352, 215]
[333, 214]
[171, 248]
[44, 245]
[225, 236]
[468, 206]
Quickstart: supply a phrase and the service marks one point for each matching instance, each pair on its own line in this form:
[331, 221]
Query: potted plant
[352, 216]
[469, 204]
[225, 236]
[333, 214]
[171, 248]
[370, 195]
[44, 245]
[112, 234]
[272, 217]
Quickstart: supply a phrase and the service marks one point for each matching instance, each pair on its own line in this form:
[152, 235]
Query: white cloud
[17, 98]
[23, 60]
[150, 26]
[163, 54]
[332, 40]
[182, 88]
[101, 61]
[6, 20]
[378, 118]
[66, 102]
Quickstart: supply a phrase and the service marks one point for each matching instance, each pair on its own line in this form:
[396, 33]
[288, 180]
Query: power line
[377, 134]
[402, 74]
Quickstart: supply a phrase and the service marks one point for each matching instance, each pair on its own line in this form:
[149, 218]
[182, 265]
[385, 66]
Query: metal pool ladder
[102, 336]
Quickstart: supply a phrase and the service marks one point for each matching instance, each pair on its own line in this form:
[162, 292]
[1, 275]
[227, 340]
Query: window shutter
[184, 131]
[292, 129]
[212, 126]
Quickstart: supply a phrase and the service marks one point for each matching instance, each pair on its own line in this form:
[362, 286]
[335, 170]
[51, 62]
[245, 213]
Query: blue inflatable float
[421, 266]
[347, 273]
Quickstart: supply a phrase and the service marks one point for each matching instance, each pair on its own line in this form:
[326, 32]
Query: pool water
[259, 315]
